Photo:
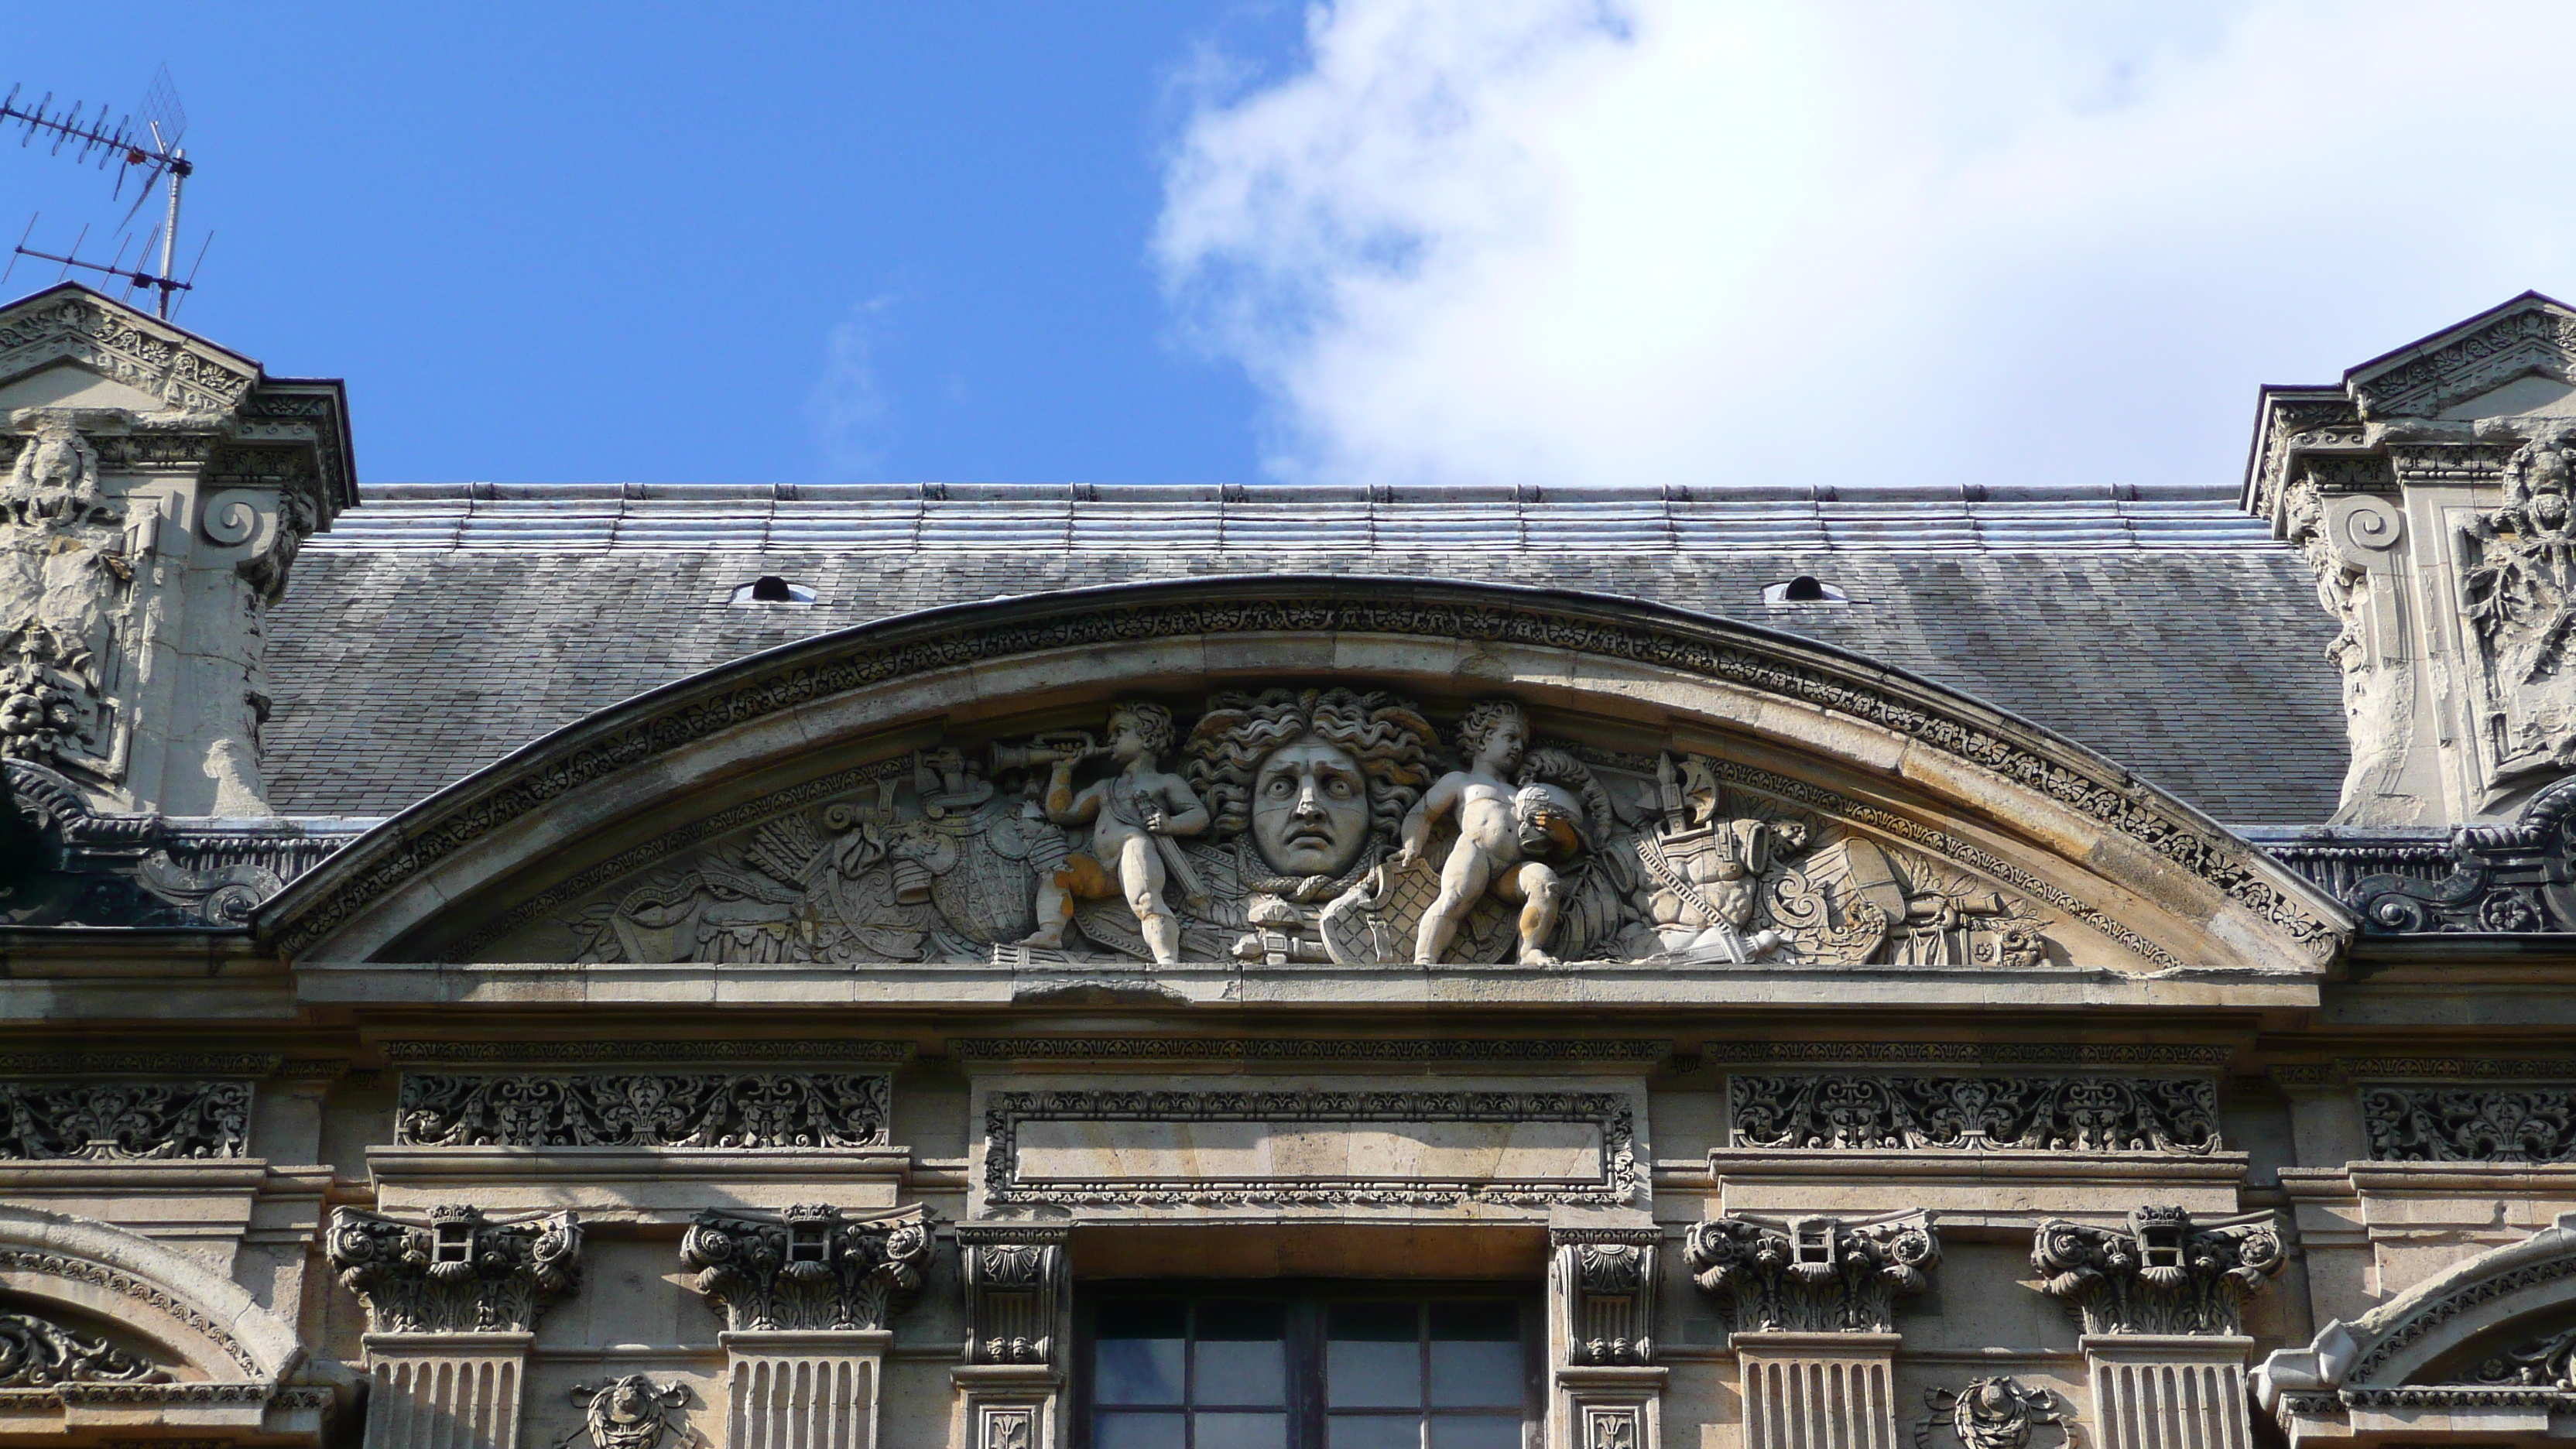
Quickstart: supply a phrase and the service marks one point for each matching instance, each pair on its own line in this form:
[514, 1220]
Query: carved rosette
[458, 1272]
[1014, 1280]
[2163, 1273]
[1605, 1278]
[807, 1267]
[38, 1353]
[1814, 1274]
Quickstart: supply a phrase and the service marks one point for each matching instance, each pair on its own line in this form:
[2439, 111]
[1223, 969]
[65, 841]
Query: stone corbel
[1010, 1387]
[1601, 1309]
[807, 1296]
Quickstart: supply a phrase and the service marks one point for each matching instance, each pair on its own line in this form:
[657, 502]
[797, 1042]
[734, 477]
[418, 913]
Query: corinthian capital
[2161, 1273]
[458, 1272]
[807, 1267]
[1814, 1274]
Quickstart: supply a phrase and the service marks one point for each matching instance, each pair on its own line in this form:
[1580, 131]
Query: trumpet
[1062, 746]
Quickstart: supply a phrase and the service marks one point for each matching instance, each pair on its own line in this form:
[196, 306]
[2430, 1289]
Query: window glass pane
[1136, 1354]
[1477, 1376]
[1475, 1431]
[1241, 1431]
[1373, 1356]
[1242, 1355]
[1373, 1431]
[1472, 1320]
[1135, 1431]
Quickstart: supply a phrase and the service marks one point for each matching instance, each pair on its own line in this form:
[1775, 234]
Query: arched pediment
[166, 1319]
[882, 786]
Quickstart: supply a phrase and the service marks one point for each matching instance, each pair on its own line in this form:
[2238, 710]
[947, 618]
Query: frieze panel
[741, 1110]
[1314, 826]
[2520, 1123]
[2056, 1114]
[2229, 866]
[124, 1121]
[1239, 1148]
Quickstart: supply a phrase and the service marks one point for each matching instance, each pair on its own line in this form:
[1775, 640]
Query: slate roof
[437, 627]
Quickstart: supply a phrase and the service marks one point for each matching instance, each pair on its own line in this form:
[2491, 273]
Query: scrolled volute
[38, 1353]
[2164, 1272]
[1814, 1274]
[808, 1267]
[458, 1272]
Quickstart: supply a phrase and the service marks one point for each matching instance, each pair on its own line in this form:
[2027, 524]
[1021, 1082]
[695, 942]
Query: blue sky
[555, 241]
[1384, 241]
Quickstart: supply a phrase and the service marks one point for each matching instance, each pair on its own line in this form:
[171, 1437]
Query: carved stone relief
[740, 1110]
[2059, 1114]
[808, 1267]
[1014, 1277]
[2519, 596]
[66, 581]
[458, 1272]
[1308, 825]
[1813, 1274]
[2521, 1123]
[630, 1412]
[2162, 1273]
[1994, 1413]
[1606, 1278]
[121, 1121]
[38, 1353]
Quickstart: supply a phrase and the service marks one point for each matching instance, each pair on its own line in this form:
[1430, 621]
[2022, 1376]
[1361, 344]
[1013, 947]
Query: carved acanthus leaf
[808, 1267]
[457, 1272]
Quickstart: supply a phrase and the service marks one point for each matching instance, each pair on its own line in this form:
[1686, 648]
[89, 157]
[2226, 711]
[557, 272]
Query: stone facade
[1282, 1009]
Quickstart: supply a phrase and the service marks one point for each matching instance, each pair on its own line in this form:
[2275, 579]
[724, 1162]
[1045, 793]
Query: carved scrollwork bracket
[1814, 1274]
[807, 1268]
[459, 1272]
[2163, 1273]
[1014, 1281]
[1605, 1279]
[38, 1353]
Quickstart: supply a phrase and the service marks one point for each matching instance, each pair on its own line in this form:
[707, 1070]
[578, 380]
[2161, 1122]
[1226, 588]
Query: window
[1804, 589]
[1272, 1368]
[771, 589]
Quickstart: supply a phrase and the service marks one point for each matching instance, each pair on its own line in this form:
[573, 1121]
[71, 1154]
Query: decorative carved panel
[645, 1109]
[2059, 1114]
[38, 1353]
[2518, 1123]
[118, 1121]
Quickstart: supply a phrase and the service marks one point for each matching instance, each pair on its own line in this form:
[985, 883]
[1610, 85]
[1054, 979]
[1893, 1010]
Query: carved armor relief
[1312, 825]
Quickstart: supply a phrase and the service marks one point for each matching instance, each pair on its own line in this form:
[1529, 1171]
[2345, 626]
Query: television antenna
[150, 156]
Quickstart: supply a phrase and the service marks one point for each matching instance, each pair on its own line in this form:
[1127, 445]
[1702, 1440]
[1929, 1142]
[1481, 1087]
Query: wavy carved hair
[1153, 724]
[1391, 743]
[1480, 721]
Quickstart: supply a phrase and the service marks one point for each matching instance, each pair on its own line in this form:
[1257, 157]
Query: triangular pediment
[68, 346]
[2514, 359]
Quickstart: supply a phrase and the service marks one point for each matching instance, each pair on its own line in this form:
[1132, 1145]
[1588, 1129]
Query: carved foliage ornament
[1312, 825]
[740, 1110]
[807, 1267]
[1984, 1113]
[2548, 1361]
[2503, 879]
[2162, 1273]
[37, 1353]
[459, 1272]
[1813, 1274]
[1994, 1413]
[2535, 1123]
[119, 1121]
[2231, 867]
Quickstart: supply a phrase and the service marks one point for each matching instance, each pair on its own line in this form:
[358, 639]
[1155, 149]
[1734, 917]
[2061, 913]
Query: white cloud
[1674, 242]
[849, 404]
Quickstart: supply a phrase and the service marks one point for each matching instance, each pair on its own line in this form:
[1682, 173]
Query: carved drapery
[806, 1268]
[1813, 1274]
[1014, 1281]
[2164, 1273]
[119, 1121]
[1605, 1280]
[743, 1110]
[39, 1353]
[457, 1272]
[1859, 1112]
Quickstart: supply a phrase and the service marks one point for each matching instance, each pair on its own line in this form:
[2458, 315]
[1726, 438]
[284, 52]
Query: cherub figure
[1134, 815]
[1502, 830]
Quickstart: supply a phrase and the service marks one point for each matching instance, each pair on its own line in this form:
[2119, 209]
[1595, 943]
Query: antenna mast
[152, 155]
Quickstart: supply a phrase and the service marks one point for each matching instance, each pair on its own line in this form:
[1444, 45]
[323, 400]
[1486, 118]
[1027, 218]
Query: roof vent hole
[1804, 589]
[771, 589]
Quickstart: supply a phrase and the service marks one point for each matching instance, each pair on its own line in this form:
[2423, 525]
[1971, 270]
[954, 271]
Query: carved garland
[2229, 866]
[1614, 1113]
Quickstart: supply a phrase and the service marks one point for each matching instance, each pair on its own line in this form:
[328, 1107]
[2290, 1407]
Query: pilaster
[1601, 1338]
[2162, 1300]
[445, 1390]
[1010, 1386]
[807, 1295]
[1815, 1319]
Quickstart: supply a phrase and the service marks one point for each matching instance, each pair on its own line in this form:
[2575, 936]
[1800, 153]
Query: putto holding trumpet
[1134, 815]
